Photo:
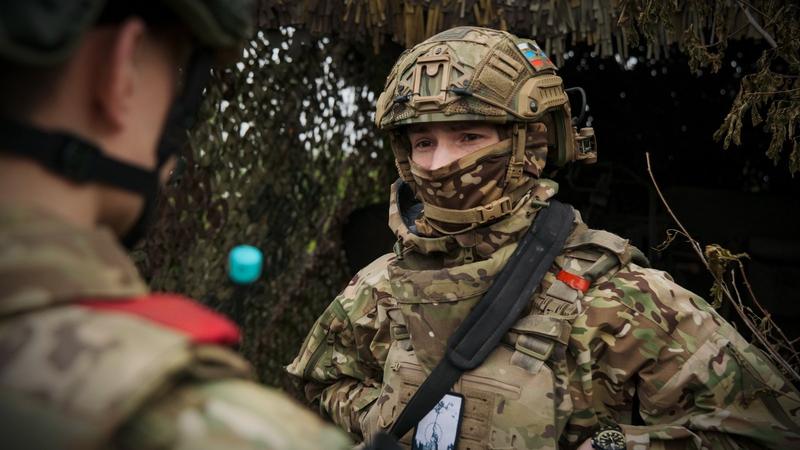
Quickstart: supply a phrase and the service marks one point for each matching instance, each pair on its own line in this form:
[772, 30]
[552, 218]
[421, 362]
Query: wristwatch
[608, 437]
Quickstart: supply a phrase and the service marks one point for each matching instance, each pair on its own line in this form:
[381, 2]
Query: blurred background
[286, 158]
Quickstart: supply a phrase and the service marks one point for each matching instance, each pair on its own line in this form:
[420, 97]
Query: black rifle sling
[481, 331]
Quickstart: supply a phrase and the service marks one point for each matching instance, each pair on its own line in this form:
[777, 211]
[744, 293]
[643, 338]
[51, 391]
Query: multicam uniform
[601, 332]
[571, 360]
[90, 359]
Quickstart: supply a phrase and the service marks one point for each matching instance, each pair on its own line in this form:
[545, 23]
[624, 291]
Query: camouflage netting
[285, 149]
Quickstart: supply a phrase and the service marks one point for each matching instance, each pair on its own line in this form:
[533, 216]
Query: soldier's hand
[587, 445]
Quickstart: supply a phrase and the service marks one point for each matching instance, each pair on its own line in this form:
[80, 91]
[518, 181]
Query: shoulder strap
[622, 250]
[481, 332]
[74, 158]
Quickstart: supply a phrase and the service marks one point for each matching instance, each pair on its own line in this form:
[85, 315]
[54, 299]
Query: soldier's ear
[116, 76]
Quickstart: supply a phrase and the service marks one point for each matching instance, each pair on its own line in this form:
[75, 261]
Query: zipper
[312, 362]
[339, 312]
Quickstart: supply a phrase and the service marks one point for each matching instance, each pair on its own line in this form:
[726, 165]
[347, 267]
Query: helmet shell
[45, 32]
[470, 73]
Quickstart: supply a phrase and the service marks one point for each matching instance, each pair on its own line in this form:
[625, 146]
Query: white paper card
[439, 429]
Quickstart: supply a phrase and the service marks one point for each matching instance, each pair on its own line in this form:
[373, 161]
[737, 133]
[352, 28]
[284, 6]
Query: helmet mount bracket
[432, 65]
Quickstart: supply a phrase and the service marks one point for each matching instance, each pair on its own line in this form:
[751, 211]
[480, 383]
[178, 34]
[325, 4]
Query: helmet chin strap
[81, 161]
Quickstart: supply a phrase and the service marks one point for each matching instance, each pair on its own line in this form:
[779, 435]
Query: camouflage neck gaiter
[476, 180]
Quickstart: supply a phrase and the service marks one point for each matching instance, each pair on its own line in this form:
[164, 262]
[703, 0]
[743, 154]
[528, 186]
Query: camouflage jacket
[72, 376]
[572, 361]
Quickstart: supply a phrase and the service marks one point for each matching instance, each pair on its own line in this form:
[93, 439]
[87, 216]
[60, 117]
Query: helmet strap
[73, 158]
[516, 163]
[474, 217]
[400, 146]
[183, 113]
[180, 120]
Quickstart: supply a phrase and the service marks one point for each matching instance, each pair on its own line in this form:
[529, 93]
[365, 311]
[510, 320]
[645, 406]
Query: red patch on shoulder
[179, 313]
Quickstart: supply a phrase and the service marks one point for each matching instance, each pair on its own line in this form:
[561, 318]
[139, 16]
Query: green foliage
[772, 99]
[773, 96]
[719, 259]
[283, 152]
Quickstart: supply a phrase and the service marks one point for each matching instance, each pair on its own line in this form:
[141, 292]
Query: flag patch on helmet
[535, 55]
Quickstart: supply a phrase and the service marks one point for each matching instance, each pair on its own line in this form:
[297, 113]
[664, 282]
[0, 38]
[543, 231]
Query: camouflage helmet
[45, 32]
[480, 74]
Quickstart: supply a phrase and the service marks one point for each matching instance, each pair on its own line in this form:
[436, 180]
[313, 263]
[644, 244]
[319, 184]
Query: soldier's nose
[443, 156]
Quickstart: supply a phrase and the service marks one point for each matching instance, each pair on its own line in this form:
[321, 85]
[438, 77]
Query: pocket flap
[556, 328]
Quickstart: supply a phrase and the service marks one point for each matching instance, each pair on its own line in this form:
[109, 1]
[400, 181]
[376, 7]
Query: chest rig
[517, 398]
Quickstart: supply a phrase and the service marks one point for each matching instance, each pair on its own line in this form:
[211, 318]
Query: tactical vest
[518, 398]
[71, 375]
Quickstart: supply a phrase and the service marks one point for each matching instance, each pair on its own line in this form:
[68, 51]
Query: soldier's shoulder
[74, 373]
[231, 414]
[375, 273]
[652, 297]
[365, 289]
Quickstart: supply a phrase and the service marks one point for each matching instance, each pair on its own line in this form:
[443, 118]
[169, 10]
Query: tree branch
[738, 306]
[768, 37]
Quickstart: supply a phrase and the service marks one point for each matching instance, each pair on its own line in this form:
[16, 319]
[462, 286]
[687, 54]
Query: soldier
[89, 358]
[473, 115]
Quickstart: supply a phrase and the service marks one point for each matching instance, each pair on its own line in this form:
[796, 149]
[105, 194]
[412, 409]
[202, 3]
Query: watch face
[609, 440]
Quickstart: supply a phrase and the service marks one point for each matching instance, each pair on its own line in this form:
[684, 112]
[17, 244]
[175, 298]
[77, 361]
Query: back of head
[40, 39]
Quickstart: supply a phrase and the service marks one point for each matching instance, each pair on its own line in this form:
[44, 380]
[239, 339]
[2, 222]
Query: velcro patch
[535, 55]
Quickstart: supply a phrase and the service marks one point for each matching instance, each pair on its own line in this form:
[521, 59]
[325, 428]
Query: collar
[404, 210]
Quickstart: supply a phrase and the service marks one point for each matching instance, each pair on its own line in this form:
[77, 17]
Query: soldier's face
[436, 145]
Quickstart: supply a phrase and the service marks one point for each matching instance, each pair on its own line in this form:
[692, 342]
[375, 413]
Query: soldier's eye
[469, 137]
[423, 144]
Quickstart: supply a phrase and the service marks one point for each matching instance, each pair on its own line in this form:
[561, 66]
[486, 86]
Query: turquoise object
[244, 264]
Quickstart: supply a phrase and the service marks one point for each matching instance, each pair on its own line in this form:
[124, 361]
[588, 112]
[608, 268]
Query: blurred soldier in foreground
[95, 97]
[501, 320]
